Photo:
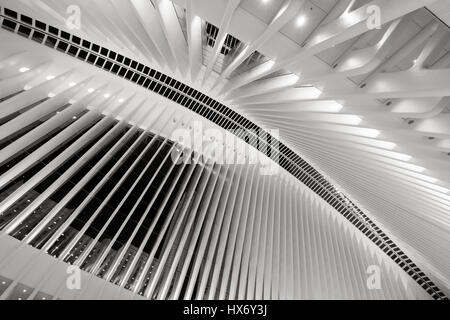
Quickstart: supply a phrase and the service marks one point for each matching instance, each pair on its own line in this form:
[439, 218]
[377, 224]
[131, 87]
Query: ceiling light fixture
[24, 69]
[301, 20]
[350, 19]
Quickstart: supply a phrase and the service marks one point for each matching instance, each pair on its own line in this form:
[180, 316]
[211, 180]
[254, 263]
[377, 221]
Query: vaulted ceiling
[367, 107]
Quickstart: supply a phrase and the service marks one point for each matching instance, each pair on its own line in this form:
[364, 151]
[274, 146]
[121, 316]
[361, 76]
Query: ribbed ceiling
[367, 108]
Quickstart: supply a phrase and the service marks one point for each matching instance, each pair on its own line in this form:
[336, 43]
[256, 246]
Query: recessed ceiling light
[121, 100]
[24, 69]
[72, 84]
[270, 64]
[300, 21]
[51, 95]
[350, 18]
[107, 95]
[90, 90]
[50, 77]
[197, 20]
